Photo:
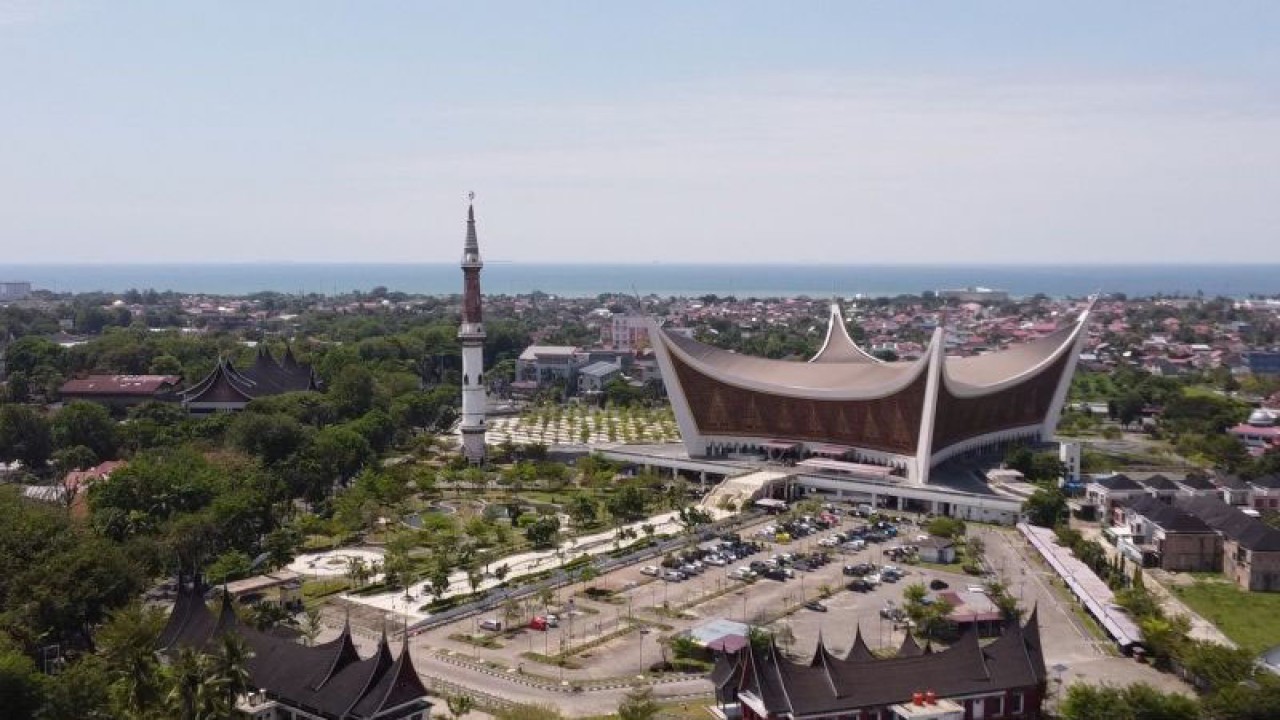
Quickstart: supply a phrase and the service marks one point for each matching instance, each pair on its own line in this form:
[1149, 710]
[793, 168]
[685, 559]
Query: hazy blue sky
[640, 131]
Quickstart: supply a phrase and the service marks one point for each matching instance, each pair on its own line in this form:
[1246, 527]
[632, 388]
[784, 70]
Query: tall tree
[230, 670]
[24, 435]
[87, 424]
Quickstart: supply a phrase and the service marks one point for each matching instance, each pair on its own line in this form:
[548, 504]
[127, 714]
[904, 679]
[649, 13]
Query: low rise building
[1108, 492]
[1168, 537]
[1196, 485]
[229, 389]
[548, 364]
[937, 550]
[1004, 679]
[594, 377]
[1265, 492]
[1250, 548]
[291, 681]
[121, 391]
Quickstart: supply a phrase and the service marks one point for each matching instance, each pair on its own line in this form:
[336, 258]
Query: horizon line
[640, 263]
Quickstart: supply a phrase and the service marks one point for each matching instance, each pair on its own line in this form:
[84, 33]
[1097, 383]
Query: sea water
[663, 279]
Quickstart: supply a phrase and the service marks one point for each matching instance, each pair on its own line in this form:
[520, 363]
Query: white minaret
[471, 335]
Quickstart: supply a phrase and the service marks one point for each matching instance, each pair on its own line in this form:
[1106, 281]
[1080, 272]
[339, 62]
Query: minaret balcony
[471, 331]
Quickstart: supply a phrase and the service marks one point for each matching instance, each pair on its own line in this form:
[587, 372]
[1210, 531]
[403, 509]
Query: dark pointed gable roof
[858, 651]
[910, 648]
[1014, 660]
[227, 384]
[329, 679]
[398, 686]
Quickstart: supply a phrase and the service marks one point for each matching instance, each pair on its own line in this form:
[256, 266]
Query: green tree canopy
[24, 435]
[87, 424]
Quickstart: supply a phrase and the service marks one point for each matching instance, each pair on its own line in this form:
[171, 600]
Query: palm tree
[189, 676]
[127, 642]
[311, 624]
[230, 668]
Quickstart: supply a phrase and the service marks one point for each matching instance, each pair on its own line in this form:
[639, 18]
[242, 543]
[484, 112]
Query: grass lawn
[1251, 619]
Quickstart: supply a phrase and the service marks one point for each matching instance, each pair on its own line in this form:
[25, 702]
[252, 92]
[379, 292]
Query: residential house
[1251, 548]
[1265, 493]
[1168, 537]
[1109, 491]
[1196, 485]
[1159, 487]
[1233, 489]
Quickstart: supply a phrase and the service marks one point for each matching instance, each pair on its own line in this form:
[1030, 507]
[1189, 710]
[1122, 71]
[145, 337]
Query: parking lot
[609, 640]
[617, 636]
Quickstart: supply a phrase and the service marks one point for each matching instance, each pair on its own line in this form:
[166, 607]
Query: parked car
[860, 585]
[673, 576]
[816, 606]
[937, 584]
[775, 574]
[651, 570]
[492, 624]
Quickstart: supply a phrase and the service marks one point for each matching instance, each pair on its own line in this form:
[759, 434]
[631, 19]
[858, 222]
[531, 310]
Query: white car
[872, 579]
[651, 570]
[715, 560]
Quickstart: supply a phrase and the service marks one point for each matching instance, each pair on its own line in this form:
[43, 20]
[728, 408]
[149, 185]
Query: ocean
[664, 279]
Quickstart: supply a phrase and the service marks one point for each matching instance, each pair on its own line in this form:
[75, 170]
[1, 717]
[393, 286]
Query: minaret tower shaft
[471, 335]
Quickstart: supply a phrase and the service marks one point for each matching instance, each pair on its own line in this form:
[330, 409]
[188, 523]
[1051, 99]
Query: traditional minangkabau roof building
[1002, 680]
[329, 681]
[228, 388]
[909, 415]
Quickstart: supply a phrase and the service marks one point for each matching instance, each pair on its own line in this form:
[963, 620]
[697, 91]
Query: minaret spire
[471, 334]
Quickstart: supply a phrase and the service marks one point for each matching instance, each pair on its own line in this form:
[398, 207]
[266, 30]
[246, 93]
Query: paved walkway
[519, 565]
[740, 489]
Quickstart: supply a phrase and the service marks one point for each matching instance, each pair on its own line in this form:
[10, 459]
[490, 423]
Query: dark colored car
[816, 606]
[938, 585]
[775, 574]
[860, 585]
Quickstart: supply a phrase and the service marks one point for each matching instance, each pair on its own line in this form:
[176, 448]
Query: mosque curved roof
[841, 370]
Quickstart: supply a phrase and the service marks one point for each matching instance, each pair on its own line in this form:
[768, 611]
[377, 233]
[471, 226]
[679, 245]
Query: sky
[843, 132]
